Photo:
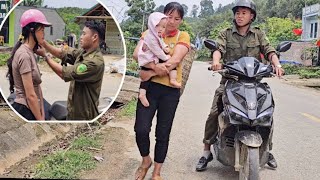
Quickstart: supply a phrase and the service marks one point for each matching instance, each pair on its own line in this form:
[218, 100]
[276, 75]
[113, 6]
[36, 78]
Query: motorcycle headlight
[238, 115]
[264, 118]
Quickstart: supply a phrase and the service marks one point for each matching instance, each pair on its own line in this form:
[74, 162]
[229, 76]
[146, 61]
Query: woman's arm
[31, 96]
[157, 69]
[180, 51]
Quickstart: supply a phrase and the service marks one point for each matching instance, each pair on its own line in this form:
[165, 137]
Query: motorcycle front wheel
[249, 158]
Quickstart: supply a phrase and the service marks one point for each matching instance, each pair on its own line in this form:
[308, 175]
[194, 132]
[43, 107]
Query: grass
[67, 164]
[302, 71]
[132, 65]
[129, 109]
[84, 142]
[64, 165]
[3, 58]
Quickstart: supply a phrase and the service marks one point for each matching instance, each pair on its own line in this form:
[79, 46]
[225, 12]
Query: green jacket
[234, 46]
[85, 75]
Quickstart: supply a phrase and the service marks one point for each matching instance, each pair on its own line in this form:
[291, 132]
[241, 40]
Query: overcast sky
[118, 7]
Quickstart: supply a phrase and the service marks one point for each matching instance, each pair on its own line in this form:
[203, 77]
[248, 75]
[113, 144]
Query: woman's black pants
[164, 100]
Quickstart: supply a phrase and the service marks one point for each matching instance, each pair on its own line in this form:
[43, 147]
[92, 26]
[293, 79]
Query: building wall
[113, 37]
[52, 16]
[310, 14]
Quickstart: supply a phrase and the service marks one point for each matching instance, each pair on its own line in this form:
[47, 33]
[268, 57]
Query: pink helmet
[33, 15]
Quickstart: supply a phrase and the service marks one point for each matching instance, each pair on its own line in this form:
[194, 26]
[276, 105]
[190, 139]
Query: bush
[203, 55]
[302, 71]
[291, 69]
[309, 73]
[3, 58]
[129, 110]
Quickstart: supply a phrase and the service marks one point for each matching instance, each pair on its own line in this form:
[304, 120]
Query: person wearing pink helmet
[24, 75]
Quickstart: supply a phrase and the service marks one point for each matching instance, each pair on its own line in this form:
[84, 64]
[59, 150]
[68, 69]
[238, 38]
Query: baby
[154, 50]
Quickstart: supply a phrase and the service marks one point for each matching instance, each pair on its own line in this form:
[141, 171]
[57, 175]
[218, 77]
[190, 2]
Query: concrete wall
[18, 138]
[295, 52]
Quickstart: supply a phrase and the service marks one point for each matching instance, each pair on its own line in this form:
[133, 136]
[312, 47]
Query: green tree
[186, 27]
[138, 15]
[206, 25]
[194, 11]
[217, 29]
[280, 29]
[185, 8]
[68, 14]
[37, 3]
[206, 8]
[160, 9]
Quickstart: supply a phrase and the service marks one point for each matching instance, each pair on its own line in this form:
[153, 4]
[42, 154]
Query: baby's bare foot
[144, 100]
[175, 83]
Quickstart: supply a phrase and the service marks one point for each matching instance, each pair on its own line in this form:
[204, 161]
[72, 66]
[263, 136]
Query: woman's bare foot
[175, 83]
[143, 169]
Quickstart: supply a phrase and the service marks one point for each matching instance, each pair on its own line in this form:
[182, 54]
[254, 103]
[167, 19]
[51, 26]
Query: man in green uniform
[233, 43]
[85, 71]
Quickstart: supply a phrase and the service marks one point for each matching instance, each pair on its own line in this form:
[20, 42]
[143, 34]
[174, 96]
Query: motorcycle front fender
[249, 138]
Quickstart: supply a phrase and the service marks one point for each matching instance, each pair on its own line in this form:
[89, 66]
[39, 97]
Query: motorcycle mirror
[210, 44]
[284, 46]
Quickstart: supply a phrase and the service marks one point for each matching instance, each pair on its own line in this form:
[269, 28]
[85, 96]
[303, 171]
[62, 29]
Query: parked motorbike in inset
[246, 120]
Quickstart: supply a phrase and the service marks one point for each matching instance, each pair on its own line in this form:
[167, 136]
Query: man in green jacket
[85, 71]
[241, 40]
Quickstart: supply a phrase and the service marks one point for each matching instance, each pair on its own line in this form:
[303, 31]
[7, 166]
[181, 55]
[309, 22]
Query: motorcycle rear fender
[249, 138]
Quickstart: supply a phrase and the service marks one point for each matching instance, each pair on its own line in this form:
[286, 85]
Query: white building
[311, 22]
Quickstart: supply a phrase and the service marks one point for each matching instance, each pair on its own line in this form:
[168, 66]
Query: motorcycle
[246, 120]
[58, 109]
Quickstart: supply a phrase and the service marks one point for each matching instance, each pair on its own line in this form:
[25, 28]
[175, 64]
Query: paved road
[296, 136]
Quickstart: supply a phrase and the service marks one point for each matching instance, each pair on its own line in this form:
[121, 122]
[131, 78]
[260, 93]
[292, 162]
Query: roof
[50, 13]
[97, 10]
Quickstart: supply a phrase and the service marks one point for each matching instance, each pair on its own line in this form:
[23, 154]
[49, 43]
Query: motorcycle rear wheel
[249, 157]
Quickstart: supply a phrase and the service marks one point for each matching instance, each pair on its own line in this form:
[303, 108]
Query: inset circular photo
[60, 64]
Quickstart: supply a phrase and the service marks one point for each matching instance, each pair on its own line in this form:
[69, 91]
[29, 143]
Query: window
[51, 30]
[313, 30]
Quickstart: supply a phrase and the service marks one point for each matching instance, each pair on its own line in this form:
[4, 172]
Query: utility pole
[143, 16]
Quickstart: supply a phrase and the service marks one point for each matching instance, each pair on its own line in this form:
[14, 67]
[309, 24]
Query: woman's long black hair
[30, 28]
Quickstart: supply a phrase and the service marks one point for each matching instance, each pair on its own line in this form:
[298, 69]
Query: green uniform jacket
[233, 46]
[85, 75]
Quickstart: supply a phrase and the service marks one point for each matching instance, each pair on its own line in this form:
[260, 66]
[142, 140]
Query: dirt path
[118, 163]
[121, 156]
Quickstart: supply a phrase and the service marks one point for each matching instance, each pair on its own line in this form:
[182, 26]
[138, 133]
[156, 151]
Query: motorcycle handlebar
[210, 68]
